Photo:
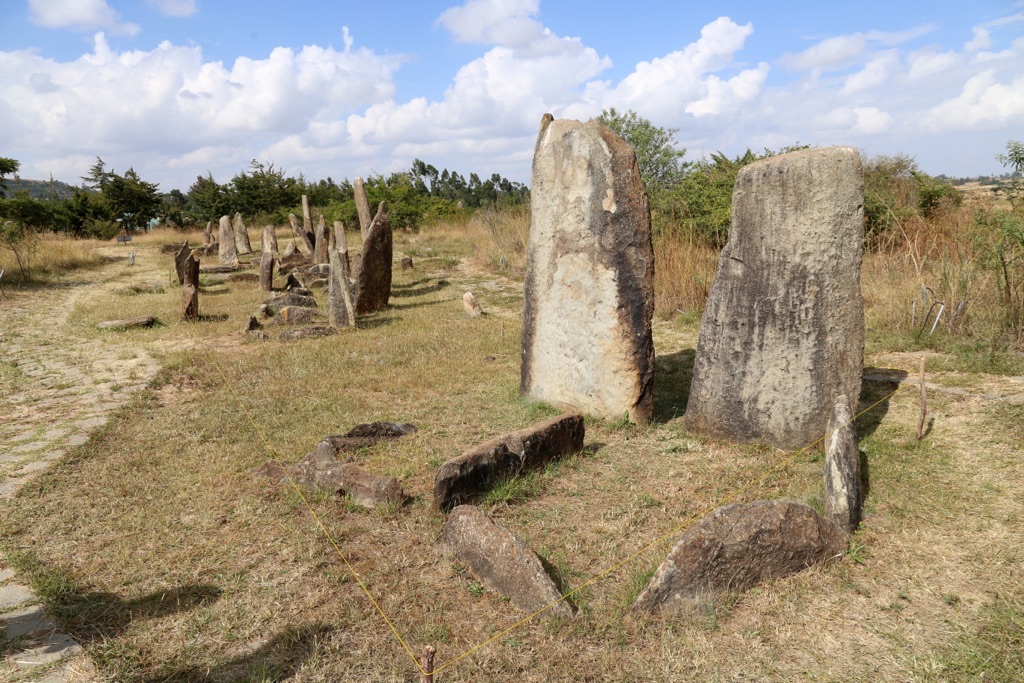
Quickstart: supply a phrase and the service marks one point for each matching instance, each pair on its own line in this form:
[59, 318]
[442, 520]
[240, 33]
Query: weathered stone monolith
[307, 219]
[190, 288]
[341, 244]
[843, 494]
[373, 282]
[208, 237]
[269, 239]
[242, 245]
[179, 262]
[737, 547]
[589, 291]
[362, 206]
[304, 239]
[320, 242]
[340, 302]
[783, 329]
[290, 250]
[267, 263]
[226, 244]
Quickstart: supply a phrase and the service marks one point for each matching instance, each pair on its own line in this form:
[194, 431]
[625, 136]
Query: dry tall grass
[46, 256]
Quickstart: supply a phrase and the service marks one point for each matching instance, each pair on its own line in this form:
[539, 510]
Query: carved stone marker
[341, 307]
[179, 262]
[320, 242]
[783, 330]
[362, 206]
[270, 239]
[373, 282]
[190, 288]
[267, 262]
[589, 290]
[502, 562]
[737, 547]
[843, 494]
[461, 479]
[242, 244]
[226, 244]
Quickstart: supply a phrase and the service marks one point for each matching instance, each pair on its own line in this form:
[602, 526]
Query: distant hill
[38, 189]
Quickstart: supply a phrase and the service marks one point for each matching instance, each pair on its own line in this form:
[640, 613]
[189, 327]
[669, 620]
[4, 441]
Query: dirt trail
[57, 386]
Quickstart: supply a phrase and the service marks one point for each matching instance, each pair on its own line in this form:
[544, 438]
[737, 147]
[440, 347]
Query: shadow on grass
[397, 291]
[420, 304]
[279, 658]
[874, 399]
[375, 322]
[212, 318]
[673, 373]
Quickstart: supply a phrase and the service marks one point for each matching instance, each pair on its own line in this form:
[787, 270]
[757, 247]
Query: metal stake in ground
[427, 664]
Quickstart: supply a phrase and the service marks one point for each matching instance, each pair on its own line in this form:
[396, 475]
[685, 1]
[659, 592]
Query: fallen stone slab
[467, 476]
[501, 562]
[127, 323]
[366, 435]
[297, 315]
[218, 269]
[737, 547]
[297, 333]
[290, 299]
[243, 277]
[143, 288]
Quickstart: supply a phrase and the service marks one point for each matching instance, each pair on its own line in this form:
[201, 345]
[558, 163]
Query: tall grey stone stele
[783, 329]
[589, 291]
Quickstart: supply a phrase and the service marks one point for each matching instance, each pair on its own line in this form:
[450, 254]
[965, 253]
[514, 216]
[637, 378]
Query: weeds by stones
[589, 290]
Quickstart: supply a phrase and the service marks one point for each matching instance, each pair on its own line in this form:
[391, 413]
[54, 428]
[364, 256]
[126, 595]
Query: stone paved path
[57, 387]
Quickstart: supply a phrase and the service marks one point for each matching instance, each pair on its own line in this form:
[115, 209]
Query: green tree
[661, 164]
[208, 200]
[21, 220]
[132, 200]
[1014, 160]
[263, 191]
[8, 167]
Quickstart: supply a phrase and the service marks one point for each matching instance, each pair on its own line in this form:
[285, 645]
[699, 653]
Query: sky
[338, 89]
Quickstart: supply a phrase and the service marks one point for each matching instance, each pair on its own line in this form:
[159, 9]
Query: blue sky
[179, 88]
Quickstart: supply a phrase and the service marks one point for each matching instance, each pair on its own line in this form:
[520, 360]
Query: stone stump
[783, 330]
[340, 302]
[843, 490]
[242, 244]
[226, 244]
[267, 263]
[589, 290]
[362, 206]
[179, 262]
[373, 282]
[190, 288]
[320, 242]
[270, 239]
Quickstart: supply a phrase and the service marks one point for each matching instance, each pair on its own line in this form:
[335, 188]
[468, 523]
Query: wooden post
[427, 663]
[924, 404]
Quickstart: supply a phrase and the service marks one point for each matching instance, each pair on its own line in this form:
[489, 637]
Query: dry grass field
[155, 546]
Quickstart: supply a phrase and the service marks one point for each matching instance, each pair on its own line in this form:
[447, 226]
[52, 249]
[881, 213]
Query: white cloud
[981, 40]
[928, 63]
[174, 8]
[81, 15]
[983, 102]
[838, 52]
[874, 74]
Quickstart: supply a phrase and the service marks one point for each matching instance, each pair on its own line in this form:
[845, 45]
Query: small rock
[407, 263]
[290, 299]
[471, 305]
[252, 325]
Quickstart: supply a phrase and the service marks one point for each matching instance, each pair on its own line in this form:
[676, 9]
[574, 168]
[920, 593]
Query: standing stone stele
[362, 206]
[843, 492]
[373, 282]
[341, 244]
[269, 239]
[340, 302]
[242, 244]
[783, 329]
[190, 288]
[307, 219]
[589, 290]
[208, 237]
[179, 262]
[300, 233]
[267, 263]
[320, 242]
[226, 245]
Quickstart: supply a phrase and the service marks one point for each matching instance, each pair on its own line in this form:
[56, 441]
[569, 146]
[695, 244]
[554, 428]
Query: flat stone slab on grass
[299, 333]
[297, 315]
[463, 478]
[737, 547]
[290, 299]
[321, 470]
[502, 562]
[14, 594]
[366, 435]
[127, 323]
